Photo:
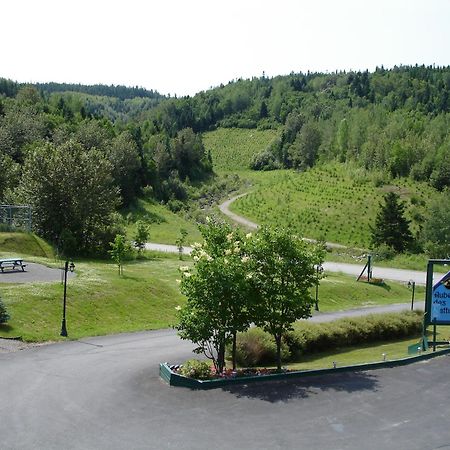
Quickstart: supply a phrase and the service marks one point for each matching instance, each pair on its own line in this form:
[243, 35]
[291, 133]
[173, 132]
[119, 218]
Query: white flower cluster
[185, 271]
[199, 254]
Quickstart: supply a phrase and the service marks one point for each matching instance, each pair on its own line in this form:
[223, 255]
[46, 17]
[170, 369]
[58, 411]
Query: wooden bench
[12, 263]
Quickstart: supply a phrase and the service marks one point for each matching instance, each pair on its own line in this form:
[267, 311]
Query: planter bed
[175, 379]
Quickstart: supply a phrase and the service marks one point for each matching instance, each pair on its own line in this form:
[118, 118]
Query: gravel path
[224, 208]
[14, 345]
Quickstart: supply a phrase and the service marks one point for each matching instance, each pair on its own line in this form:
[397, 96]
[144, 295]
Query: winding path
[386, 273]
[225, 209]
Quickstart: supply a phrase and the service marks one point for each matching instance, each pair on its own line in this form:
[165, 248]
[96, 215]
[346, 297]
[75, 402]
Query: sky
[181, 47]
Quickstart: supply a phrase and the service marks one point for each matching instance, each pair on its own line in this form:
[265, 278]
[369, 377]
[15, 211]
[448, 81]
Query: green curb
[175, 379]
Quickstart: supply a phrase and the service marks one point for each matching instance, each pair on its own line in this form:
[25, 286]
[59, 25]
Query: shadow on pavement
[276, 391]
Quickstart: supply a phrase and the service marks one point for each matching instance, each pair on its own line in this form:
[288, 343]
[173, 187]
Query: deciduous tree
[281, 272]
[217, 293]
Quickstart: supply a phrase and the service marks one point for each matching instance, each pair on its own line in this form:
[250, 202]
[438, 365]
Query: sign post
[437, 299]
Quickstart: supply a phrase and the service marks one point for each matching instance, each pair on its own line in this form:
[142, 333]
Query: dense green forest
[77, 153]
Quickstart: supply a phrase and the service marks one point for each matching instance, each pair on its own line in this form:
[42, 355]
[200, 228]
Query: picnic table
[12, 263]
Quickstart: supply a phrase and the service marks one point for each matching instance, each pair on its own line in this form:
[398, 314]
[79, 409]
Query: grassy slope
[339, 292]
[328, 202]
[25, 243]
[164, 225]
[99, 301]
[233, 148]
[336, 202]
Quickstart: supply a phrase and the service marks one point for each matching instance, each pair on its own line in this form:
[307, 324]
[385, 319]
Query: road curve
[224, 208]
[386, 273]
[105, 393]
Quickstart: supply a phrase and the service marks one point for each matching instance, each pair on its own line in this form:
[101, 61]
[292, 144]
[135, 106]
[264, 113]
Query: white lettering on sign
[440, 307]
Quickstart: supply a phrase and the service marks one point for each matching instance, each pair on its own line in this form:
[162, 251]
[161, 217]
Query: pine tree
[391, 227]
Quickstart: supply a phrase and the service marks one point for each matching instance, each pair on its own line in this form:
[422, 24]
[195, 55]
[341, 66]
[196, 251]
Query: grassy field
[339, 292]
[334, 202]
[232, 149]
[144, 298]
[98, 301]
[355, 355]
[164, 225]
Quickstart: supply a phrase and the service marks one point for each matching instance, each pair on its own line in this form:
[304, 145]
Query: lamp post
[319, 270]
[67, 266]
[412, 285]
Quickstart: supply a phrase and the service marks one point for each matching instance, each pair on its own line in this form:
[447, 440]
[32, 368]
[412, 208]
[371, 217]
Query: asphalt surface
[105, 393]
[386, 273]
[33, 273]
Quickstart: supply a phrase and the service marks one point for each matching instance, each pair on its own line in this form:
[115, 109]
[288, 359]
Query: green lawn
[98, 301]
[339, 292]
[144, 298]
[347, 356]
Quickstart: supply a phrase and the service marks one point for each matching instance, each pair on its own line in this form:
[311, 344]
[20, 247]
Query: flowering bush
[194, 368]
[237, 280]
[216, 291]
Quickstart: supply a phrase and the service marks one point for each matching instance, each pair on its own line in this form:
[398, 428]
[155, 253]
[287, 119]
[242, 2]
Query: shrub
[311, 338]
[256, 348]
[383, 252]
[194, 368]
[4, 316]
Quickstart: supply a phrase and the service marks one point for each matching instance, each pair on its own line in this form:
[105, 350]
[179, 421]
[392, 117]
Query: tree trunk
[233, 354]
[278, 342]
[221, 356]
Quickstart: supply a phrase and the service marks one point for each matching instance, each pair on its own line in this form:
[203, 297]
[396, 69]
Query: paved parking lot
[105, 393]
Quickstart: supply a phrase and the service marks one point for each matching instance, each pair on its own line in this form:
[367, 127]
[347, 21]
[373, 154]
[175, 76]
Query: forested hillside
[392, 120]
[76, 169]
[55, 139]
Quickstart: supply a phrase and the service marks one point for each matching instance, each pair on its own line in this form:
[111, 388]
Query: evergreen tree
[391, 227]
